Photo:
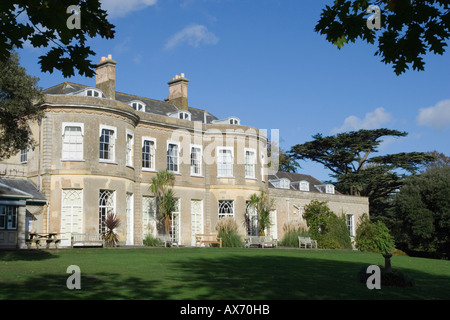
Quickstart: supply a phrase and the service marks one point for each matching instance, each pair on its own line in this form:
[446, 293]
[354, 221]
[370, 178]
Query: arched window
[304, 185]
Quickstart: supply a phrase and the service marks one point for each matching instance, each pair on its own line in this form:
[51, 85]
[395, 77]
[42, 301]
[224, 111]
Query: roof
[20, 189]
[152, 106]
[297, 177]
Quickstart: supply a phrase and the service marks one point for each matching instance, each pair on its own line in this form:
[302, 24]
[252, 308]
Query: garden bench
[87, 240]
[307, 241]
[207, 239]
[267, 241]
[37, 238]
[252, 241]
[166, 240]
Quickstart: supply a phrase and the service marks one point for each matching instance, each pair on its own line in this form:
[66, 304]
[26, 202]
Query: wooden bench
[87, 240]
[207, 239]
[37, 238]
[166, 240]
[252, 241]
[304, 242]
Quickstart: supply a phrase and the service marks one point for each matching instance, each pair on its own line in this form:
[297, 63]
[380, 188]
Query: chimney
[178, 91]
[105, 77]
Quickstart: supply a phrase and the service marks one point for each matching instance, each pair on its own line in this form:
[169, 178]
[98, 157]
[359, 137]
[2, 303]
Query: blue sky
[262, 61]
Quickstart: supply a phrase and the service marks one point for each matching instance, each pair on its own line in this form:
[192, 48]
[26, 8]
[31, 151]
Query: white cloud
[436, 117]
[193, 35]
[372, 120]
[120, 8]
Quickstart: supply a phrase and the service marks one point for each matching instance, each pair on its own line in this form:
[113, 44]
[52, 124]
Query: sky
[262, 61]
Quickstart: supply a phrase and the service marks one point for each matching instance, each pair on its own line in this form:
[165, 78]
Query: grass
[211, 273]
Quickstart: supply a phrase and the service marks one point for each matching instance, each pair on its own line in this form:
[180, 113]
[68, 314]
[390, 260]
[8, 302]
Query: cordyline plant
[111, 238]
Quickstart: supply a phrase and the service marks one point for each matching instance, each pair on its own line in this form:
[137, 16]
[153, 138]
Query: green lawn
[211, 273]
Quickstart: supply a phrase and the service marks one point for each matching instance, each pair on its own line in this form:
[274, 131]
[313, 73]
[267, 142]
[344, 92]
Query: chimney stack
[105, 77]
[178, 92]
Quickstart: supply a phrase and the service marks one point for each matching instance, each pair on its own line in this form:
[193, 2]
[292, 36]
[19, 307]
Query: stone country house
[99, 148]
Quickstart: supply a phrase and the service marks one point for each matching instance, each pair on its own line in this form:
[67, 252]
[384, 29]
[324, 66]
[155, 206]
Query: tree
[373, 237]
[161, 187]
[422, 208]
[45, 24]
[285, 162]
[263, 206]
[441, 160]
[410, 29]
[347, 156]
[20, 101]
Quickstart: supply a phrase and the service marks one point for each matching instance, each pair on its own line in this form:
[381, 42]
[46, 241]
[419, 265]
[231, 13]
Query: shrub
[151, 241]
[293, 230]
[373, 237]
[327, 228]
[227, 229]
[111, 223]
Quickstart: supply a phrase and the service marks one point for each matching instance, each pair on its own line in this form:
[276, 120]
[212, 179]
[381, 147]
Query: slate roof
[151, 105]
[296, 177]
[20, 188]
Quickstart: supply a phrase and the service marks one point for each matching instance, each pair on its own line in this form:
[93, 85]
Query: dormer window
[282, 183]
[234, 121]
[94, 93]
[304, 185]
[137, 105]
[184, 115]
[329, 188]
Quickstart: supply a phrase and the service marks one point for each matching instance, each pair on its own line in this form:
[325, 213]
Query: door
[196, 219]
[273, 228]
[71, 214]
[130, 219]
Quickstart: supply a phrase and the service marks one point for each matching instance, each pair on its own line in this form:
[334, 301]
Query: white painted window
[72, 141]
[224, 162]
[107, 205]
[250, 160]
[149, 221]
[285, 183]
[184, 115]
[304, 185]
[173, 150]
[196, 219]
[94, 93]
[251, 220]
[196, 160]
[226, 208]
[137, 105]
[23, 155]
[148, 153]
[350, 224]
[329, 188]
[107, 143]
[130, 145]
[130, 218]
[71, 214]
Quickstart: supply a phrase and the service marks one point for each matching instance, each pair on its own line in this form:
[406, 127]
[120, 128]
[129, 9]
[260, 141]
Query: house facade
[98, 150]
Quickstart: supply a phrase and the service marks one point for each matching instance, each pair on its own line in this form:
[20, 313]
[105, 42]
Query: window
[251, 220]
[226, 208]
[263, 163]
[149, 219]
[172, 157]
[23, 155]
[130, 218]
[196, 160]
[106, 206]
[285, 183]
[130, 144]
[148, 153]
[71, 213]
[138, 106]
[304, 186]
[107, 142]
[250, 163]
[94, 93]
[224, 162]
[184, 115]
[234, 121]
[350, 224]
[8, 217]
[72, 141]
[329, 188]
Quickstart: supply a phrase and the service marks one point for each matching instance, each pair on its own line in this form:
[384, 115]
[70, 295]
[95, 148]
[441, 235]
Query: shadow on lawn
[278, 277]
[26, 255]
[100, 286]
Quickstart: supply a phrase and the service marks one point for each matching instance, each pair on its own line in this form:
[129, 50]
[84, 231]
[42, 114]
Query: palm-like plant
[263, 206]
[161, 187]
[112, 222]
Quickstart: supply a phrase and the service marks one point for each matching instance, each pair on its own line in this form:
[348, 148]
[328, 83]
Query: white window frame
[285, 183]
[129, 149]
[303, 185]
[23, 155]
[220, 169]
[227, 214]
[152, 156]
[183, 115]
[63, 131]
[112, 144]
[250, 166]
[329, 188]
[106, 207]
[140, 106]
[177, 156]
[198, 160]
[94, 91]
[350, 221]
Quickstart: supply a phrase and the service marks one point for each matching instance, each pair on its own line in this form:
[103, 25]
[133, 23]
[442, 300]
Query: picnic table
[38, 238]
